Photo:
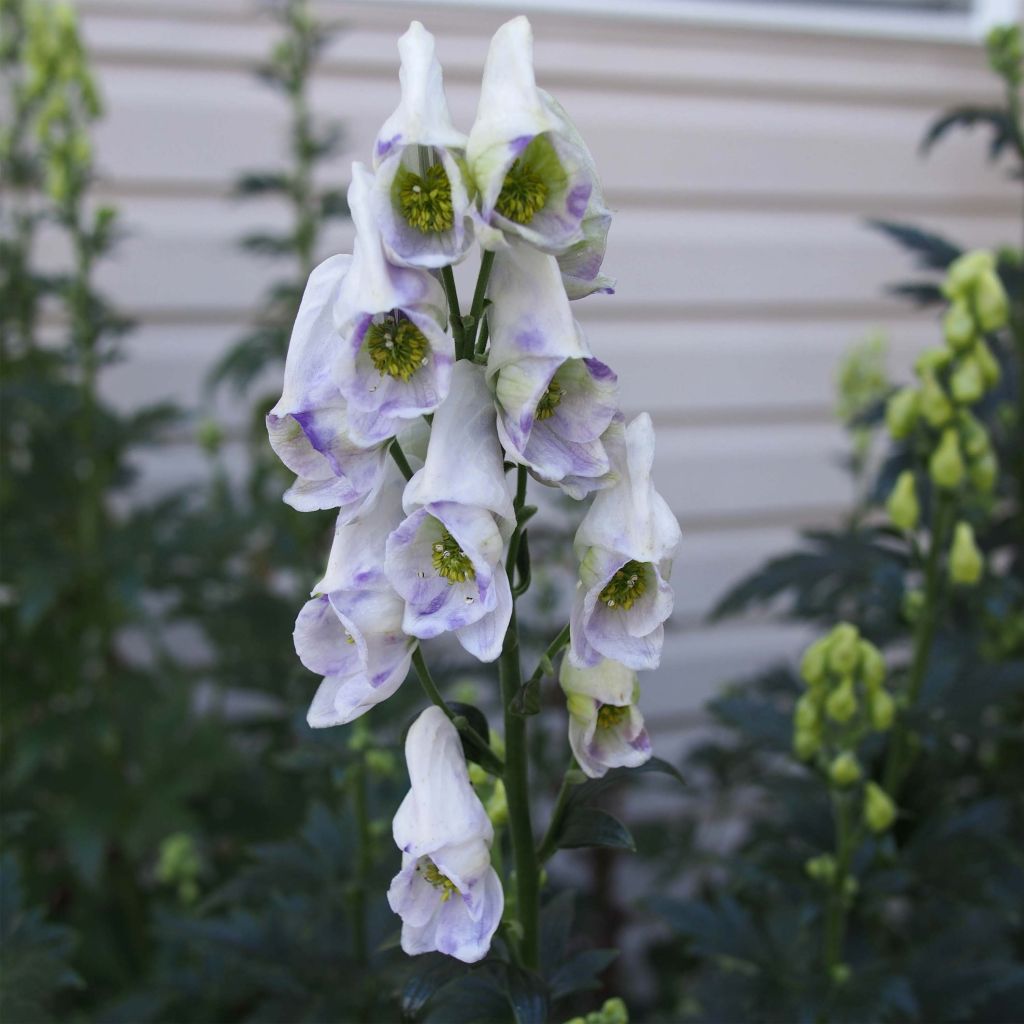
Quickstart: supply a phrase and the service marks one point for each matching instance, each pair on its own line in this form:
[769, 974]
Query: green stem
[838, 905]
[400, 460]
[481, 341]
[517, 767]
[548, 843]
[476, 310]
[897, 762]
[544, 665]
[454, 314]
[495, 764]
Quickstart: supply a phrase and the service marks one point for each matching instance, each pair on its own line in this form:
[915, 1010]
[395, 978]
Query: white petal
[609, 681]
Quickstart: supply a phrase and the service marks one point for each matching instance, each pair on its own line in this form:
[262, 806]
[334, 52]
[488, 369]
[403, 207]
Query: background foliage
[177, 845]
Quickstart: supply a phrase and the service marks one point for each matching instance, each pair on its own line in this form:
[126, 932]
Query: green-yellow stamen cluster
[550, 400]
[610, 715]
[398, 348]
[626, 587]
[523, 193]
[450, 560]
[426, 202]
[439, 881]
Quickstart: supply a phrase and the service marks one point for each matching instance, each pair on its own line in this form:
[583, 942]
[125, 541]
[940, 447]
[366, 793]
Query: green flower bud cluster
[491, 791]
[951, 378]
[845, 700]
[1003, 44]
[612, 1012]
[180, 865]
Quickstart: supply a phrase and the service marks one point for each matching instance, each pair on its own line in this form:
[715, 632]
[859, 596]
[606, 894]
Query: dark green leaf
[590, 826]
[970, 117]
[580, 973]
[528, 996]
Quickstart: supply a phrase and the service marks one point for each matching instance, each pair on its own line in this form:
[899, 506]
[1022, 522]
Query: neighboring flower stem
[454, 314]
[570, 779]
[847, 839]
[900, 753]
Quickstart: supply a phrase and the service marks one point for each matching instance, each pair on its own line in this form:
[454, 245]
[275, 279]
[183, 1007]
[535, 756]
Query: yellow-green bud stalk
[935, 406]
[902, 505]
[966, 561]
[845, 769]
[805, 712]
[806, 743]
[990, 302]
[946, 465]
[841, 705]
[879, 810]
[901, 412]
[958, 325]
[964, 272]
[973, 436]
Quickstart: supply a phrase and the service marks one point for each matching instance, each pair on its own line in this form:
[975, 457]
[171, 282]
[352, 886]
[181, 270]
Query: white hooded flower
[625, 545]
[395, 359]
[309, 427]
[448, 896]
[420, 193]
[554, 399]
[445, 559]
[534, 179]
[606, 729]
[350, 632]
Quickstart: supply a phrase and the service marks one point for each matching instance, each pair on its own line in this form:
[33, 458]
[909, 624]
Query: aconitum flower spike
[534, 179]
[445, 559]
[350, 631]
[395, 360]
[606, 729]
[309, 427]
[448, 896]
[625, 545]
[420, 193]
[554, 399]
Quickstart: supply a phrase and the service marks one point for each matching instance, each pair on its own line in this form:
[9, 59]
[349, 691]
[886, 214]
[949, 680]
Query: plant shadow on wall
[881, 874]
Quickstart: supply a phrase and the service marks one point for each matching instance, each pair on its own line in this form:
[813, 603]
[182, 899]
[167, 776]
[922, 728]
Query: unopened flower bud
[841, 705]
[805, 712]
[967, 384]
[812, 666]
[821, 868]
[872, 665]
[902, 505]
[973, 436]
[901, 412]
[879, 810]
[841, 974]
[845, 769]
[843, 649]
[966, 562]
[964, 272]
[990, 301]
[913, 605]
[946, 465]
[984, 473]
[958, 325]
[931, 360]
[935, 406]
[614, 1011]
[806, 743]
[991, 371]
[882, 709]
[381, 763]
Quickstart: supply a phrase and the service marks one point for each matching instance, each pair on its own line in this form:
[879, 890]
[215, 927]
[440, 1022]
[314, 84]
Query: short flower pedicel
[436, 543]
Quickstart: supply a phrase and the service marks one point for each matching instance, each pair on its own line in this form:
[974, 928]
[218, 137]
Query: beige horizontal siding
[741, 162]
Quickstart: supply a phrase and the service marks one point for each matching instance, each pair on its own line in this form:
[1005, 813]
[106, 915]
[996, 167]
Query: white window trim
[938, 26]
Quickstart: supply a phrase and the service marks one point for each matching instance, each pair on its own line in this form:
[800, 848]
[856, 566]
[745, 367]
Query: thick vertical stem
[835, 917]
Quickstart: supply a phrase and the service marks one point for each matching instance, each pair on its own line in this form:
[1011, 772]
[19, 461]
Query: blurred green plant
[923, 875]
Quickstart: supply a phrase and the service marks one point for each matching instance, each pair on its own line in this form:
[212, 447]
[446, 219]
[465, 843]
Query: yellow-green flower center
[439, 881]
[626, 587]
[426, 202]
[398, 348]
[611, 715]
[523, 193]
[549, 400]
[450, 560]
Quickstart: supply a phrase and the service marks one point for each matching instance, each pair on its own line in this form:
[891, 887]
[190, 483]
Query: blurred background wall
[743, 147]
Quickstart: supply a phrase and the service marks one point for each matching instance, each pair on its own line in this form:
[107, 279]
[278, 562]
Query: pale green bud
[935, 406]
[901, 412]
[882, 709]
[841, 974]
[965, 270]
[990, 301]
[991, 371]
[872, 665]
[973, 436]
[958, 325]
[844, 649]
[966, 561]
[967, 384]
[806, 743]
[946, 466]
[496, 804]
[821, 868]
[984, 473]
[812, 666]
[931, 360]
[614, 1012]
[913, 605]
[805, 712]
[902, 505]
[841, 705]
[879, 810]
[845, 769]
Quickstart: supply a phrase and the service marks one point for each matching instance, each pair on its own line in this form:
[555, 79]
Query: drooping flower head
[625, 545]
[420, 192]
[554, 399]
[445, 559]
[309, 426]
[395, 359]
[606, 729]
[350, 631]
[448, 896]
[534, 179]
